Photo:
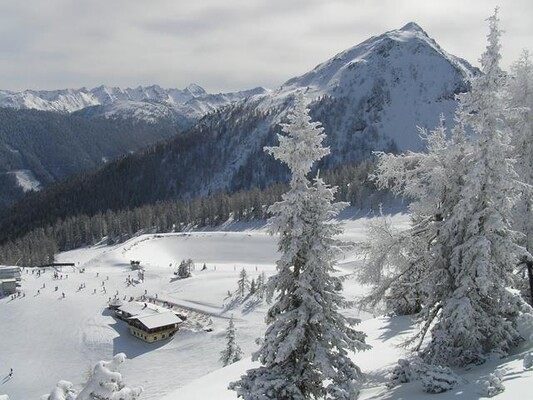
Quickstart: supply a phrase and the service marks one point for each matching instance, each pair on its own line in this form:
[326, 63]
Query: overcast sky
[224, 45]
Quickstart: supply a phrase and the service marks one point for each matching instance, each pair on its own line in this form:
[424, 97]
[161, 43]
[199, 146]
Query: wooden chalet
[149, 322]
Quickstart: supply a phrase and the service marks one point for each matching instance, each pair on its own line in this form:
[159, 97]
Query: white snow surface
[26, 180]
[46, 338]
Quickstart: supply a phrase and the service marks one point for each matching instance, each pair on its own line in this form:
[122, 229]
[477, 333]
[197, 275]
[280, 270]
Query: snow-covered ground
[45, 337]
[26, 180]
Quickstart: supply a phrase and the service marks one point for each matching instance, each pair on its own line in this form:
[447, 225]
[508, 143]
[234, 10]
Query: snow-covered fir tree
[304, 354]
[232, 353]
[253, 287]
[261, 285]
[476, 314]
[464, 189]
[520, 100]
[185, 268]
[400, 263]
[243, 284]
[106, 382]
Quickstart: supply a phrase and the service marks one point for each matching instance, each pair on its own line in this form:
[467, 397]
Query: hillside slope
[38, 148]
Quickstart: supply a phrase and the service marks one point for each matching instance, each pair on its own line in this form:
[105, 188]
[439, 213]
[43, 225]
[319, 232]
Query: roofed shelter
[149, 322]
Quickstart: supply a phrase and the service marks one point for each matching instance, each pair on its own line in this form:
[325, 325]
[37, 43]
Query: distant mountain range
[79, 129]
[145, 103]
[370, 97]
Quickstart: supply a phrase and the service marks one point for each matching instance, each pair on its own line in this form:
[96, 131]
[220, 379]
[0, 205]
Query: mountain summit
[404, 74]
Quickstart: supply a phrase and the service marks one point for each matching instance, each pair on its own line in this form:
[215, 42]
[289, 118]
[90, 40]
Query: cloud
[222, 46]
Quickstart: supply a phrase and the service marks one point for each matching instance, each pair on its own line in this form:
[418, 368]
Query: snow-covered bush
[528, 361]
[106, 383]
[436, 379]
[406, 371]
[493, 385]
[64, 390]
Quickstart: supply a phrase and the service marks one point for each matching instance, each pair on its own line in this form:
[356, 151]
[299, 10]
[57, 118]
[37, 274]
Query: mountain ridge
[184, 106]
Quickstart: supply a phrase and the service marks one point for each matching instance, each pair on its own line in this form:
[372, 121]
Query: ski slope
[45, 337]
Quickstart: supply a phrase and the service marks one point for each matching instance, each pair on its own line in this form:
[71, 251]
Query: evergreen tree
[464, 191]
[520, 100]
[261, 285]
[477, 314]
[184, 269]
[243, 283]
[304, 354]
[232, 353]
[253, 287]
[399, 264]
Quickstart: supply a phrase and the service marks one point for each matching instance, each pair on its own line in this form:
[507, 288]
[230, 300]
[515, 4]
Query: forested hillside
[49, 146]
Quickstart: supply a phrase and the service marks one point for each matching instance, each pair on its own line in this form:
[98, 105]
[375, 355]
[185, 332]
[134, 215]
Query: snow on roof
[158, 320]
[116, 302]
[139, 308]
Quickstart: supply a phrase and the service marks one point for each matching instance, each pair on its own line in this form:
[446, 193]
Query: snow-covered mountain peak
[412, 27]
[389, 80]
[396, 53]
[195, 90]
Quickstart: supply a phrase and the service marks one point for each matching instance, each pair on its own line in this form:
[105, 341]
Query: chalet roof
[158, 320]
[136, 308]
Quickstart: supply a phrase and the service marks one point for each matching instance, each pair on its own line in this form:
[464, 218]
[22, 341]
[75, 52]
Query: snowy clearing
[46, 338]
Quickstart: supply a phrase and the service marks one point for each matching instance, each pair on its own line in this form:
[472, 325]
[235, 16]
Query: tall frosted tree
[520, 100]
[304, 354]
[400, 264]
[465, 188]
[477, 314]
